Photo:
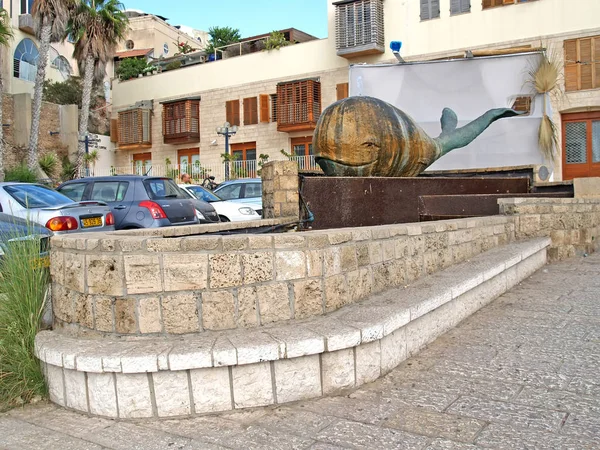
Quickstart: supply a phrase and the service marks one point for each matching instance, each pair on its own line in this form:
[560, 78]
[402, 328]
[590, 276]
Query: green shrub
[21, 173]
[131, 68]
[68, 169]
[48, 163]
[173, 65]
[23, 288]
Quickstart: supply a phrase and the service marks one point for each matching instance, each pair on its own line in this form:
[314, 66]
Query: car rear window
[109, 191]
[74, 191]
[160, 188]
[36, 196]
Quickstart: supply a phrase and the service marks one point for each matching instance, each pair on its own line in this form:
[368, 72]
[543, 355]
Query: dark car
[14, 229]
[141, 201]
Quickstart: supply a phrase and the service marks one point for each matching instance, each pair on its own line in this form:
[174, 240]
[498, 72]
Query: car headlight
[200, 216]
[247, 211]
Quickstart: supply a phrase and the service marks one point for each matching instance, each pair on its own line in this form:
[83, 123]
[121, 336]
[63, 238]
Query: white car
[227, 211]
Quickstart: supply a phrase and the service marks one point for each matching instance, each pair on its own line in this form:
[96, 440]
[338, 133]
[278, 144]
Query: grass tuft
[22, 294]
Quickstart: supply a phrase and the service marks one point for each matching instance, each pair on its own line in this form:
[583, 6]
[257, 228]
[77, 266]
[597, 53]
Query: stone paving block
[297, 378]
[172, 393]
[338, 371]
[102, 394]
[185, 272]
[259, 438]
[583, 426]
[211, 389]
[368, 362]
[444, 444]
[359, 435]
[507, 413]
[297, 421]
[432, 423]
[133, 396]
[75, 390]
[252, 385]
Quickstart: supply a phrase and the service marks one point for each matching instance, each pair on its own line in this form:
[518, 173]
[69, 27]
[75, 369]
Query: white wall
[106, 151]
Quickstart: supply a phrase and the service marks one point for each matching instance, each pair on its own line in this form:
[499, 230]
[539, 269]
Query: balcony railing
[198, 172]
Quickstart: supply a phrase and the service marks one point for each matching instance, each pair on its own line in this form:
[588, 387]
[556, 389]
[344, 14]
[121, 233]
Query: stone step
[140, 377]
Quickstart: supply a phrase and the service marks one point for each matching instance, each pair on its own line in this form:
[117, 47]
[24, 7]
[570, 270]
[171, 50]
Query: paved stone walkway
[523, 373]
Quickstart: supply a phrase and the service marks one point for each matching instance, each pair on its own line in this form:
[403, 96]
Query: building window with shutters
[181, 121]
[135, 127]
[582, 63]
[459, 7]
[273, 107]
[298, 105]
[232, 112]
[430, 9]
[265, 116]
[359, 27]
[250, 111]
[493, 3]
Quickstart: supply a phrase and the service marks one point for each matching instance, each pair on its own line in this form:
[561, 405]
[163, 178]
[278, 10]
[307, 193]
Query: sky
[251, 17]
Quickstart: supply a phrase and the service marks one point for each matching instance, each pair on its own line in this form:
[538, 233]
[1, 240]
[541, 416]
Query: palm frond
[548, 138]
[6, 33]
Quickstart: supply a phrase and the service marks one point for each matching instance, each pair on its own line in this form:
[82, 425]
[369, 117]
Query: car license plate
[91, 222]
[41, 262]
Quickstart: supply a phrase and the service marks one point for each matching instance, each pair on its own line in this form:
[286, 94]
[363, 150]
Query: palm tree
[97, 27]
[6, 35]
[49, 22]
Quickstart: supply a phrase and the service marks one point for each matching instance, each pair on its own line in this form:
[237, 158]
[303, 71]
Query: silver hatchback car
[53, 210]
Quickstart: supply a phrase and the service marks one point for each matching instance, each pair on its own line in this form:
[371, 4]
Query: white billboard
[470, 87]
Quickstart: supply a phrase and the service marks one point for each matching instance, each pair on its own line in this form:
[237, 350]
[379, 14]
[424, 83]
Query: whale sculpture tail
[452, 137]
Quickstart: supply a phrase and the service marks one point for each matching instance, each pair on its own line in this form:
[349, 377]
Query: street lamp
[88, 139]
[227, 130]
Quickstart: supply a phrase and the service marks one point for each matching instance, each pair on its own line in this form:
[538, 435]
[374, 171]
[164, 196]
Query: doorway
[581, 145]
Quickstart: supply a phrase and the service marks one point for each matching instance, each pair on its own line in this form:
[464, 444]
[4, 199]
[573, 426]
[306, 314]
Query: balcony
[359, 28]
[26, 24]
[134, 129]
[181, 121]
[298, 105]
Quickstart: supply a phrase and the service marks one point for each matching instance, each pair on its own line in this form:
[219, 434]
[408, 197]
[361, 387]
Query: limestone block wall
[572, 224]
[132, 284]
[280, 189]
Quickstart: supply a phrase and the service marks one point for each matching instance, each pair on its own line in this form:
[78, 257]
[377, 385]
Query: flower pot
[140, 75]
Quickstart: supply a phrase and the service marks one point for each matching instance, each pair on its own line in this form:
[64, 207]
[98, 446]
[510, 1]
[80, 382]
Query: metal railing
[197, 171]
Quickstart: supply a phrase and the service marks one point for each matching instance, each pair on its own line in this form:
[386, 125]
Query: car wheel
[224, 219]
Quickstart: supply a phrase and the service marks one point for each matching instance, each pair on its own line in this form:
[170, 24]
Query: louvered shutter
[460, 6]
[425, 10]
[232, 112]
[247, 113]
[114, 130]
[585, 64]
[487, 4]
[434, 10]
[596, 53]
[264, 108]
[571, 66]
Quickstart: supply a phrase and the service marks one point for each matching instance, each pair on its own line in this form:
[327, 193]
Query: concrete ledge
[218, 371]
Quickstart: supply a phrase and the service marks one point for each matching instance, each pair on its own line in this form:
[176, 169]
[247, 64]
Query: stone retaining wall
[138, 285]
[572, 224]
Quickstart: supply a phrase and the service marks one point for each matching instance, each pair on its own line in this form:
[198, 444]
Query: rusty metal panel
[440, 207]
[338, 202]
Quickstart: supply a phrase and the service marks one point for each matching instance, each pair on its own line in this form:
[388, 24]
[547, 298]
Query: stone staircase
[163, 377]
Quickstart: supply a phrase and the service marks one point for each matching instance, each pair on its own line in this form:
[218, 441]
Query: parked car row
[125, 202]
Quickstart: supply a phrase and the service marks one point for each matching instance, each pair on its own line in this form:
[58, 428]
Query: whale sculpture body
[365, 136]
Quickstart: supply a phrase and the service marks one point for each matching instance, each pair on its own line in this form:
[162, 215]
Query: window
[26, 6]
[273, 107]
[230, 192]
[74, 191]
[36, 196]
[64, 67]
[581, 145]
[134, 127]
[109, 191]
[298, 105]
[142, 163]
[459, 6]
[582, 63]
[302, 146]
[430, 9]
[181, 122]
[523, 104]
[244, 152]
[493, 3]
[250, 111]
[359, 27]
[232, 112]
[252, 190]
[341, 91]
[161, 188]
[25, 60]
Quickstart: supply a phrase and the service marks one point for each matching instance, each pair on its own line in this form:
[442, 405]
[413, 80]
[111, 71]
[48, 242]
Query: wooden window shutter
[274, 107]
[114, 130]
[264, 108]
[487, 4]
[434, 9]
[460, 6]
[596, 59]
[571, 66]
[586, 66]
[250, 111]
[425, 15]
[232, 112]
[342, 91]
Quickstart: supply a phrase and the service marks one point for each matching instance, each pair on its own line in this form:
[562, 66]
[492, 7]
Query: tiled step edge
[221, 371]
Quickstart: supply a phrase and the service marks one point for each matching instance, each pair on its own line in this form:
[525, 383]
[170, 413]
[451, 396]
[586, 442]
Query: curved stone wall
[135, 284]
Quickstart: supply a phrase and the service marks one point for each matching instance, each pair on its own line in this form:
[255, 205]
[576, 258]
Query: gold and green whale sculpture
[365, 136]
